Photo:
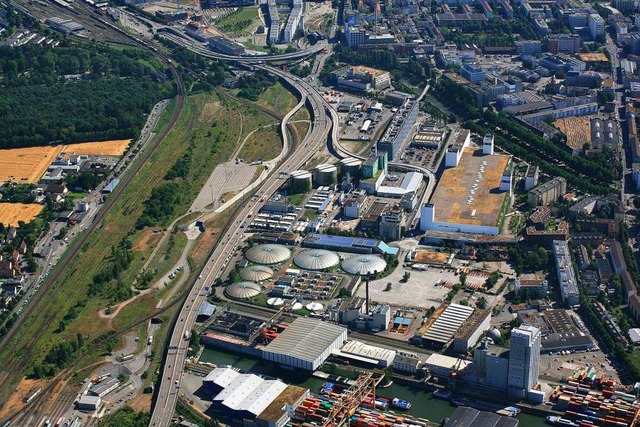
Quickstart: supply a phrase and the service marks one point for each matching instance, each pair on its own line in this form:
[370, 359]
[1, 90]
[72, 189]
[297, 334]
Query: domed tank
[494, 334]
[301, 181]
[243, 290]
[326, 174]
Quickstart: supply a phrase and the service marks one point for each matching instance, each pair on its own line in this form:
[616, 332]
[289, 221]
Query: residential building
[531, 177]
[524, 360]
[566, 273]
[548, 192]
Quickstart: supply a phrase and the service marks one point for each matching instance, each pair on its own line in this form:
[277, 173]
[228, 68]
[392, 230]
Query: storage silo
[326, 174]
[301, 181]
[350, 165]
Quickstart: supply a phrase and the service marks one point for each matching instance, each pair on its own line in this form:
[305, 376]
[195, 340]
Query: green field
[263, 144]
[279, 99]
[240, 23]
[210, 125]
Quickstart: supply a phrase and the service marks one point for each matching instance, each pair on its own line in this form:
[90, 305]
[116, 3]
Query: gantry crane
[346, 404]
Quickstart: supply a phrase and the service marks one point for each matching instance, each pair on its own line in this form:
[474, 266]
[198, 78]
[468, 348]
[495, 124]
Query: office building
[473, 73]
[563, 43]
[596, 25]
[524, 360]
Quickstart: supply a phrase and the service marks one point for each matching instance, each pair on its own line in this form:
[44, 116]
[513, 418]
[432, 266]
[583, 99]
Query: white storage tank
[350, 165]
[301, 181]
[326, 174]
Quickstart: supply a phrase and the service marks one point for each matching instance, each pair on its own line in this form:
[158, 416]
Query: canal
[423, 404]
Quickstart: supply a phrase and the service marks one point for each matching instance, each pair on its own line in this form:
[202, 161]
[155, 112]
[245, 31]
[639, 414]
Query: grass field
[240, 23]
[26, 165]
[205, 119]
[11, 213]
[115, 147]
[278, 98]
[263, 144]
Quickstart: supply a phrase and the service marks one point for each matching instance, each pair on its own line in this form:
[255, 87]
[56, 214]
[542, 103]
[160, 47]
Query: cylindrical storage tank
[301, 181]
[326, 174]
[350, 165]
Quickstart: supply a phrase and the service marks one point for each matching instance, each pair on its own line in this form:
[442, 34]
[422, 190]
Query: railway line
[14, 367]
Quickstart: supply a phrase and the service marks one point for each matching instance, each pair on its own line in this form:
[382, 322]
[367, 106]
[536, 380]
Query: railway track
[15, 366]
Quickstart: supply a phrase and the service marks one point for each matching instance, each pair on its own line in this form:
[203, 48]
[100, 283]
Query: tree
[406, 276]
[463, 279]
[388, 287]
[481, 303]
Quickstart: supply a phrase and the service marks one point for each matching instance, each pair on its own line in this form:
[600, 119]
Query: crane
[348, 401]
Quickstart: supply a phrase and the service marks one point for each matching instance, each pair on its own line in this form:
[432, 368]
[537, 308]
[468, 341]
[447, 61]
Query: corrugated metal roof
[445, 326]
[222, 376]
[305, 339]
[250, 393]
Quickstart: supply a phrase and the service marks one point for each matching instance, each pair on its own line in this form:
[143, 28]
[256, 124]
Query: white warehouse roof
[250, 393]
[409, 184]
[383, 355]
[305, 339]
[221, 377]
[445, 326]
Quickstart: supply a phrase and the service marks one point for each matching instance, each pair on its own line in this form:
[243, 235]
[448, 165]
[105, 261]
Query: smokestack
[366, 302]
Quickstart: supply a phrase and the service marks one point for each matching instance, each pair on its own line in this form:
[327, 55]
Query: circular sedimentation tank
[316, 259]
[243, 290]
[256, 273]
[364, 264]
[268, 254]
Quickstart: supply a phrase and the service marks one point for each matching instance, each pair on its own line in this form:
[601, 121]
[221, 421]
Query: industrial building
[225, 45]
[252, 398]
[354, 313]
[470, 195]
[456, 148]
[560, 333]
[105, 387]
[566, 274]
[378, 356]
[442, 366]
[362, 78]
[89, 403]
[443, 329]
[524, 360]
[491, 364]
[399, 132]
[348, 244]
[471, 331]
[66, 26]
[464, 416]
[406, 362]
[305, 344]
[548, 192]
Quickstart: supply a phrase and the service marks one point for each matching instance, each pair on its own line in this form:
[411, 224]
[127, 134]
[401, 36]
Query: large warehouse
[441, 332]
[250, 397]
[469, 197]
[305, 344]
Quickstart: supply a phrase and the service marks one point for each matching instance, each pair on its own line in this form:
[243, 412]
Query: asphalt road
[168, 383]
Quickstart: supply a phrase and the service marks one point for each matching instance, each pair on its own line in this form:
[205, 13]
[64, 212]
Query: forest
[76, 92]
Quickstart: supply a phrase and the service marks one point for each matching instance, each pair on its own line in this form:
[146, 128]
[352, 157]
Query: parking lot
[556, 367]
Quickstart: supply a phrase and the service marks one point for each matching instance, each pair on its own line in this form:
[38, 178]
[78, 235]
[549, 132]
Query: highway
[168, 383]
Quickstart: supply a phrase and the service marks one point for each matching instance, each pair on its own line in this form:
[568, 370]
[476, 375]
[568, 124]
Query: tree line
[108, 97]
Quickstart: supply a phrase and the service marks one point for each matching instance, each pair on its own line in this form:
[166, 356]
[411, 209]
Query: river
[424, 405]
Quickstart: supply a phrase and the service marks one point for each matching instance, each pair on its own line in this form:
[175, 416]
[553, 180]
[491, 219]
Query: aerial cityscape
[289, 213]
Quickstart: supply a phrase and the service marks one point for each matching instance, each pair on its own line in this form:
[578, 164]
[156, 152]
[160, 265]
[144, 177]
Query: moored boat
[400, 404]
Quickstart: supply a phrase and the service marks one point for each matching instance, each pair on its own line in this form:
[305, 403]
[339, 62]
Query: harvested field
[577, 129]
[11, 213]
[114, 147]
[26, 165]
